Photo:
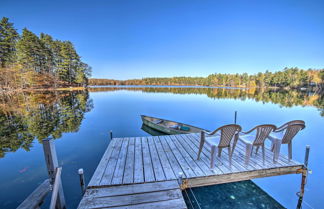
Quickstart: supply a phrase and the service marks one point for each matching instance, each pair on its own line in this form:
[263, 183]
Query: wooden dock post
[52, 165]
[82, 181]
[304, 177]
[235, 117]
[180, 178]
[110, 134]
[202, 141]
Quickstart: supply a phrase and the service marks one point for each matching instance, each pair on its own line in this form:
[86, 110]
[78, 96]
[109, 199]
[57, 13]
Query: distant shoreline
[144, 86]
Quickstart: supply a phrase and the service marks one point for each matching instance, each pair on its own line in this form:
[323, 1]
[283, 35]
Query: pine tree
[49, 52]
[31, 52]
[69, 62]
[8, 39]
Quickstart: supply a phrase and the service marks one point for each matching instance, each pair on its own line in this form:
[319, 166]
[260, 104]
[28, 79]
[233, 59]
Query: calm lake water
[80, 122]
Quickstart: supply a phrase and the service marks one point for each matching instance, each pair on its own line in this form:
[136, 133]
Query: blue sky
[141, 38]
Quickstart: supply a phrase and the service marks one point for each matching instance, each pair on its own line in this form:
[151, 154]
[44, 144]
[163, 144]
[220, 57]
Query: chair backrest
[227, 134]
[284, 126]
[262, 132]
[291, 131]
[291, 128]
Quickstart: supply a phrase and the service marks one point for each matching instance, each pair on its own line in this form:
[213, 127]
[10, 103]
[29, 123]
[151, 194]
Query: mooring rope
[193, 194]
[189, 199]
[180, 181]
[306, 203]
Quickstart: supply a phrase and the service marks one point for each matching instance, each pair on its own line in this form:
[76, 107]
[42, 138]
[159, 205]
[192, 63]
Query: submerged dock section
[143, 172]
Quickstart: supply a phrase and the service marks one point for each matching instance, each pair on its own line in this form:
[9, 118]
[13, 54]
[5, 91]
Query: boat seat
[158, 121]
[176, 126]
[184, 128]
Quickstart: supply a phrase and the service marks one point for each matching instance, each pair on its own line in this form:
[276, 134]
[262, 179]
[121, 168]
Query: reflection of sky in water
[120, 111]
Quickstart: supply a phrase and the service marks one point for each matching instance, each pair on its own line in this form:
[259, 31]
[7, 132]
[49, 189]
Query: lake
[80, 122]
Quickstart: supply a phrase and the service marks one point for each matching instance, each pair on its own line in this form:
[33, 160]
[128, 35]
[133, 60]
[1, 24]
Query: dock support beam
[304, 178]
[52, 165]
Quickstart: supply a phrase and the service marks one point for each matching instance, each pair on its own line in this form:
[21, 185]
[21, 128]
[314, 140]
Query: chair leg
[276, 150]
[263, 153]
[248, 151]
[257, 149]
[230, 155]
[200, 148]
[272, 146]
[219, 152]
[212, 157]
[234, 142]
[229, 150]
[290, 151]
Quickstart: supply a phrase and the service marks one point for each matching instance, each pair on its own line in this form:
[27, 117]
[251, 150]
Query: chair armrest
[244, 141]
[209, 132]
[281, 128]
[247, 132]
[272, 138]
[206, 132]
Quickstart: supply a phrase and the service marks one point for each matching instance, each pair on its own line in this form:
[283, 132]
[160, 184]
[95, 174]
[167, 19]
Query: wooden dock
[143, 172]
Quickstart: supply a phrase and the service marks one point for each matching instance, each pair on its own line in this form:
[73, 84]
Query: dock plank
[157, 166]
[222, 165]
[138, 166]
[191, 162]
[193, 155]
[147, 161]
[129, 166]
[204, 157]
[120, 166]
[110, 168]
[168, 171]
[119, 190]
[99, 172]
[147, 195]
[133, 199]
[175, 165]
[182, 161]
[170, 204]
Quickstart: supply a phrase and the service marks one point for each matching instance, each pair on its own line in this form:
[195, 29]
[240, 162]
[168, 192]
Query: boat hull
[162, 129]
[168, 130]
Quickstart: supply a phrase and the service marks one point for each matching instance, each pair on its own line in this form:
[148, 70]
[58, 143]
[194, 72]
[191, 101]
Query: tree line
[31, 61]
[288, 77]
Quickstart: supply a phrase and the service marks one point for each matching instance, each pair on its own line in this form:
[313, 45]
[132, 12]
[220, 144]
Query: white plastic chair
[284, 135]
[257, 139]
[220, 141]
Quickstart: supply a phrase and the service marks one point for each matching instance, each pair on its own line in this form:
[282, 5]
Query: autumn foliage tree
[29, 61]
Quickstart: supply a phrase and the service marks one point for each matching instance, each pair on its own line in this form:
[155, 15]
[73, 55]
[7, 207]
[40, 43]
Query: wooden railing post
[56, 187]
[50, 158]
[52, 165]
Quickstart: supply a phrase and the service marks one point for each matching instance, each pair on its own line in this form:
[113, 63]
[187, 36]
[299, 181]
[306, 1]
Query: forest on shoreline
[28, 61]
[287, 78]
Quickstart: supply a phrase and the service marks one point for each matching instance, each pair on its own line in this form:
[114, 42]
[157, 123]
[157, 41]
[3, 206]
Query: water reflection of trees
[26, 116]
[284, 98]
